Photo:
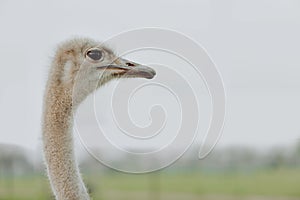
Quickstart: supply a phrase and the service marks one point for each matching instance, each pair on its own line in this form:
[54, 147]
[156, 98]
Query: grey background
[255, 45]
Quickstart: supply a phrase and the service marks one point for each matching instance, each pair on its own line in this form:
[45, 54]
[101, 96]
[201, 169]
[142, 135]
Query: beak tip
[149, 74]
[142, 72]
[152, 74]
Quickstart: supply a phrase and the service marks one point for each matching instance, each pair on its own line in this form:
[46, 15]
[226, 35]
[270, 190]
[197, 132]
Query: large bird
[83, 64]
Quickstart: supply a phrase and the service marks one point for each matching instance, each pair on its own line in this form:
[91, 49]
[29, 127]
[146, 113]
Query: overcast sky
[255, 45]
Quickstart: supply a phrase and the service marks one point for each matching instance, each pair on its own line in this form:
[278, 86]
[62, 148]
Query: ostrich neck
[58, 142]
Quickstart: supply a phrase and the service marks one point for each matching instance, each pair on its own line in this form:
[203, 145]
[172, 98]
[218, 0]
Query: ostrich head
[85, 64]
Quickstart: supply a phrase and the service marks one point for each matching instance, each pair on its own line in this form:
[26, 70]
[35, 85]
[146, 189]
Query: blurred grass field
[283, 183]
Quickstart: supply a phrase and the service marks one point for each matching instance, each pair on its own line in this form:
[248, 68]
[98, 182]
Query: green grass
[280, 182]
[25, 188]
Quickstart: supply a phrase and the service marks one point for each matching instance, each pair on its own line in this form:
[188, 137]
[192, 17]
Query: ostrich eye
[94, 54]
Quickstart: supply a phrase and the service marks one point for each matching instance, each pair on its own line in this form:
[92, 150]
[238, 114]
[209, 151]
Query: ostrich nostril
[129, 64]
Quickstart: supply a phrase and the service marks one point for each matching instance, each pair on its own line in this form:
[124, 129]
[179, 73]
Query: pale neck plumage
[62, 168]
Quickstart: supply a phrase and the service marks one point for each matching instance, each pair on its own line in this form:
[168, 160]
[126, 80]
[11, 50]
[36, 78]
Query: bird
[84, 64]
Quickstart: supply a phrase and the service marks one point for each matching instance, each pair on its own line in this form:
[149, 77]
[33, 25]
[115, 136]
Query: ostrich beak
[128, 68]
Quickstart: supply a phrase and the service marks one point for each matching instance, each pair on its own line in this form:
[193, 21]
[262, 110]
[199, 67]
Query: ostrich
[97, 65]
